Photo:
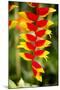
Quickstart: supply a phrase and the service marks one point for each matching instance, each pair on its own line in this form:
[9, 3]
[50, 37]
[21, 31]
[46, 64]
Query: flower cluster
[35, 42]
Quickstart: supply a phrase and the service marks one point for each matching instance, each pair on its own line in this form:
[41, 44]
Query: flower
[44, 11]
[26, 56]
[34, 42]
[37, 70]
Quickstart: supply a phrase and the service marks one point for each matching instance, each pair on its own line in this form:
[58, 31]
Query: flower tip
[41, 70]
[52, 10]
[50, 23]
[47, 52]
[39, 78]
[48, 32]
[48, 42]
[21, 13]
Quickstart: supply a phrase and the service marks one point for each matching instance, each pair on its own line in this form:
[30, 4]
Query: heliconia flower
[22, 24]
[44, 23]
[35, 38]
[23, 15]
[32, 4]
[42, 43]
[44, 11]
[26, 56]
[32, 27]
[32, 16]
[11, 7]
[43, 33]
[28, 15]
[42, 54]
[27, 37]
[26, 45]
[37, 70]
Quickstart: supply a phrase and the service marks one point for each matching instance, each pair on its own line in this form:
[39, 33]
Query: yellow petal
[23, 25]
[44, 55]
[40, 70]
[23, 45]
[46, 44]
[23, 15]
[48, 32]
[23, 36]
[52, 10]
[13, 24]
[49, 23]
[38, 77]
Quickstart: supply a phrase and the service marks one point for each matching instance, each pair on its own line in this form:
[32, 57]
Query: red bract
[37, 70]
[35, 4]
[30, 37]
[32, 16]
[32, 27]
[29, 56]
[41, 23]
[39, 52]
[30, 46]
[40, 33]
[35, 64]
[40, 43]
[42, 11]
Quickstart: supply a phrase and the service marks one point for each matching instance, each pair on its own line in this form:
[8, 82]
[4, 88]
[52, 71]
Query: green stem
[18, 63]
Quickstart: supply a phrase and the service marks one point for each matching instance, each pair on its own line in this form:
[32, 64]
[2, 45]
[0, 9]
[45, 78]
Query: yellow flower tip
[23, 36]
[46, 53]
[22, 14]
[52, 10]
[13, 24]
[23, 45]
[48, 32]
[49, 23]
[23, 25]
[38, 77]
[47, 43]
[17, 47]
[40, 70]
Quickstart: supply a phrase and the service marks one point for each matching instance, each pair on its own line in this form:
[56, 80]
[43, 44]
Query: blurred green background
[22, 69]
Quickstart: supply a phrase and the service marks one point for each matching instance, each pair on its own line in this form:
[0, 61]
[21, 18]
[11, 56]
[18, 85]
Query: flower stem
[18, 63]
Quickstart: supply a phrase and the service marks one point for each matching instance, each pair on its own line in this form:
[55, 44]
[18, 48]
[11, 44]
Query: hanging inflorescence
[35, 42]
